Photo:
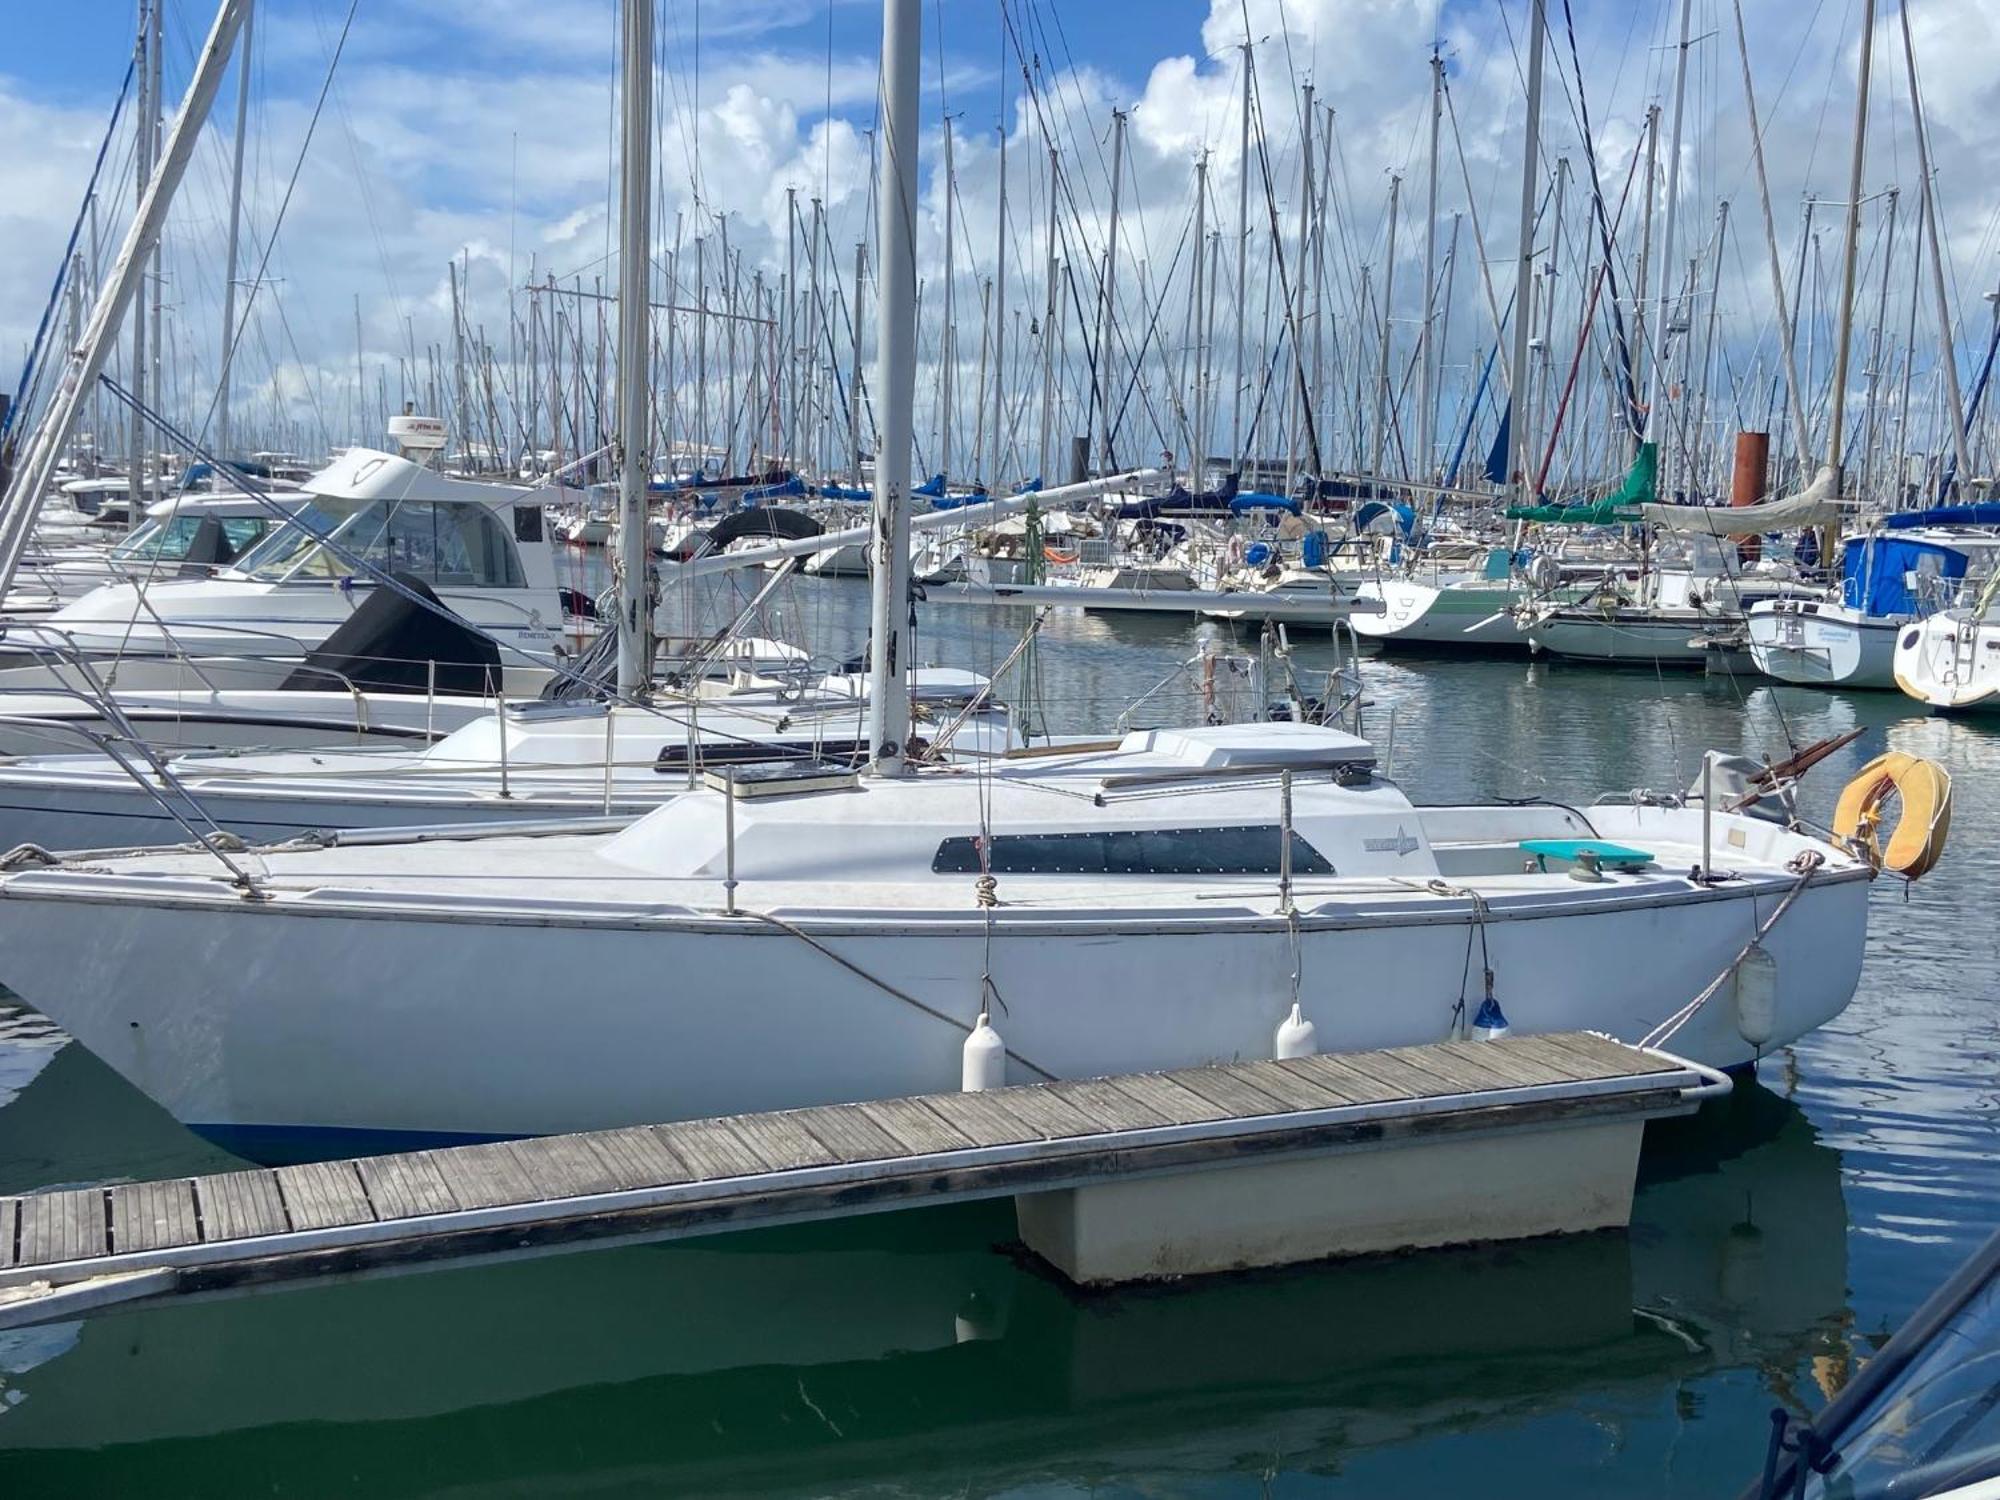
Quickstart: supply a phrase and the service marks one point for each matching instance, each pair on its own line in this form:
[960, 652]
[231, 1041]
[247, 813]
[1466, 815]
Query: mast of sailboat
[1427, 378]
[142, 165]
[1242, 264]
[222, 425]
[1524, 269]
[1296, 393]
[948, 333]
[635, 203]
[895, 340]
[1198, 439]
[1837, 421]
[854, 362]
[1050, 307]
[1784, 322]
[1948, 355]
[1000, 295]
[114, 297]
[1377, 445]
[1108, 293]
[1669, 270]
[1873, 441]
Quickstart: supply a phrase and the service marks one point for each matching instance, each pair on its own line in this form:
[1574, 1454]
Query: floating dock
[1115, 1179]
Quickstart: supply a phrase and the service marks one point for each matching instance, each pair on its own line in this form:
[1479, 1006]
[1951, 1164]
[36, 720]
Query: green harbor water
[1777, 1238]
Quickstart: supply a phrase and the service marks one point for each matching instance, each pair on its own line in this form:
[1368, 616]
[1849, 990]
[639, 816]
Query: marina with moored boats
[990, 749]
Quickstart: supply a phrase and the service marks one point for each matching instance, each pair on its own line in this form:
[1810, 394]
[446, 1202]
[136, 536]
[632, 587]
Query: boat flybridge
[481, 547]
[774, 939]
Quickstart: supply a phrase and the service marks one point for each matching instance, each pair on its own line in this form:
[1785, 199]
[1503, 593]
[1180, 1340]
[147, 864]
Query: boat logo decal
[1400, 845]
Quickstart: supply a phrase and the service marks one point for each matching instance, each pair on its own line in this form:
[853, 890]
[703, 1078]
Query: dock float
[1136, 1177]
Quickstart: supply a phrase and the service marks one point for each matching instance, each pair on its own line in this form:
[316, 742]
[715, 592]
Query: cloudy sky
[480, 131]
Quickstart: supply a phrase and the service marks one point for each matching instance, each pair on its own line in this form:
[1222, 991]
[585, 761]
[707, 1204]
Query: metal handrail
[107, 744]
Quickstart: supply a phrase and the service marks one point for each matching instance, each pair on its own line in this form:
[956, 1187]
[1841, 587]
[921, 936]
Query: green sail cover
[1641, 482]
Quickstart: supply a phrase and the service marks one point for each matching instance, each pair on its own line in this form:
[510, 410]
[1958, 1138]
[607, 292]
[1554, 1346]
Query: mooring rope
[887, 988]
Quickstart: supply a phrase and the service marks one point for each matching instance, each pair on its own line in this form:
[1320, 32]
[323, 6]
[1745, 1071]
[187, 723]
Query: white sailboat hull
[1824, 646]
[1951, 661]
[351, 1024]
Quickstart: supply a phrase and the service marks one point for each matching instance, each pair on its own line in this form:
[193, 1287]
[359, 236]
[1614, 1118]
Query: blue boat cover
[1881, 587]
[1406, 517]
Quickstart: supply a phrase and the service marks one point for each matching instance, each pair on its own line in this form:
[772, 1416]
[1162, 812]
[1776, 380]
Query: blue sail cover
[1259, 500]
[1881, 586]
[1986, 514]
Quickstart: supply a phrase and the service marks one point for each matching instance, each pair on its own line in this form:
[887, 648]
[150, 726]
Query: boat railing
[203, 831]
[1228, 687]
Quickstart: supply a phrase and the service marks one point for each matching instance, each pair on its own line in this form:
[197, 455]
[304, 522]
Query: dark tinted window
[1252, 850]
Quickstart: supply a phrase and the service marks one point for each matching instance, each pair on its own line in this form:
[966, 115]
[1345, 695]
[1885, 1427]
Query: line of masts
[1143, 342]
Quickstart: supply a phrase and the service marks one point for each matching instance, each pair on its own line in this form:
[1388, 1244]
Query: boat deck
[66, 1252]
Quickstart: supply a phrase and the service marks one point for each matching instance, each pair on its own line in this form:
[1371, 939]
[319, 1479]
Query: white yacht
[481, 547]
[1113, 910]
[186, 535]
[1951, 660]
[1469, 607]
[767, 942]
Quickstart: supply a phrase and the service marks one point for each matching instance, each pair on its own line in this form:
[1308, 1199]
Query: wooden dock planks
[68, 1225]
[422, 1187]
[153, 1215]
[241, 1205]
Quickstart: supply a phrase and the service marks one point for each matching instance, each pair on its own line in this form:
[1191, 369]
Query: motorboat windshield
[456, 544]
[169, 538]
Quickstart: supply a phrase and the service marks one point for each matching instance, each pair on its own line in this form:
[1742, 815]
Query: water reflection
[915, 1354]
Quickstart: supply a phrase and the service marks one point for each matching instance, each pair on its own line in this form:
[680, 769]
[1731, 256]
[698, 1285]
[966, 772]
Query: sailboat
[764, 942]
[1911, 566]
[1951, 660]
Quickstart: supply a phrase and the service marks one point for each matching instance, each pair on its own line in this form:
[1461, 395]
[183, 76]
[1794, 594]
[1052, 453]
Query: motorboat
[482, 547]
[187, 535]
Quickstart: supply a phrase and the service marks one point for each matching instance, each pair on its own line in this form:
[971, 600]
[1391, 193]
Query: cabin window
[1247, 850]
[451, 544]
